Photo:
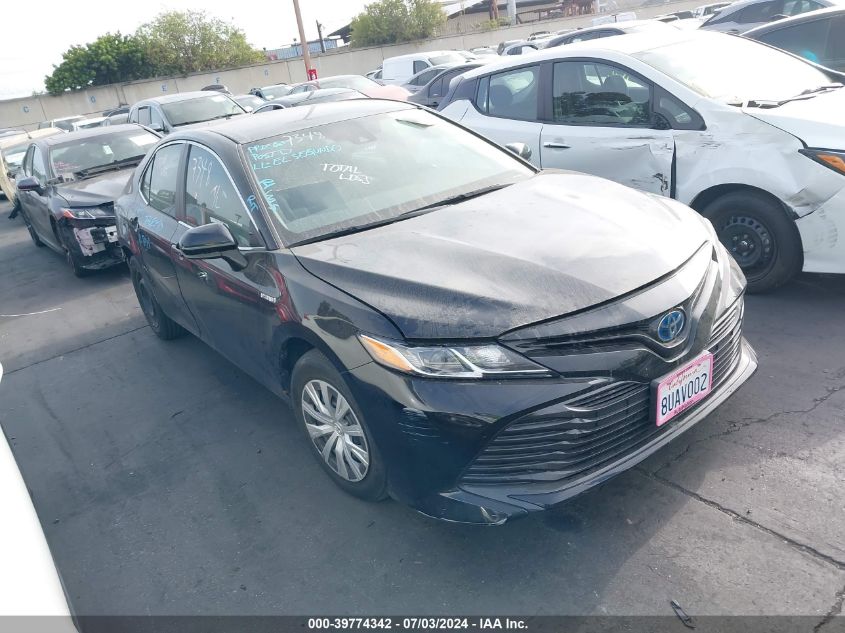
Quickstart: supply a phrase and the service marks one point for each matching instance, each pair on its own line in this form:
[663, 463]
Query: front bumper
[429, 433]
[93, 243]
[823, 236]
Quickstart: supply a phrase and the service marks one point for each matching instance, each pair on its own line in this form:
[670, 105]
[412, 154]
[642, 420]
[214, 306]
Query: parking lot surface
[169, 482]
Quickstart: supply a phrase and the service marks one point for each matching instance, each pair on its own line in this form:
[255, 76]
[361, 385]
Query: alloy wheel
[335, 430]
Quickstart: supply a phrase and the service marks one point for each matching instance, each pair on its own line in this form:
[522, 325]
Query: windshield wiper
[809, 93]
[402, 216]
[118, 164]
[361, 227]
[461, 197]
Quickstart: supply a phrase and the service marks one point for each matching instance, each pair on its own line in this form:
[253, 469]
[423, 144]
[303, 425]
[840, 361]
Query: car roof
[92, 132]
[182, 96]
[626, 44]
[809, 16]
[418, 55]
[248, 129]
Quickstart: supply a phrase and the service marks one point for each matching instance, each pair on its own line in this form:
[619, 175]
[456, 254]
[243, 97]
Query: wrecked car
[67, 185]
[480, 341]
[747, 135]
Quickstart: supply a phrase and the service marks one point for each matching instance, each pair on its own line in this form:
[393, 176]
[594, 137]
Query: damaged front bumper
[823, 236]
[93, 244]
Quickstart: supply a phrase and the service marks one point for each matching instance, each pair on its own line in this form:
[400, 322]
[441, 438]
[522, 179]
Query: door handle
[202, 275]
[556, 145]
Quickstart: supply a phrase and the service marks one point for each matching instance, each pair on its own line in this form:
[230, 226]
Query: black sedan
[67, 185]
[452, 328]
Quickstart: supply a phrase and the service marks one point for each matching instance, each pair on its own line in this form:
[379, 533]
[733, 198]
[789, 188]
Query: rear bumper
[429, 433]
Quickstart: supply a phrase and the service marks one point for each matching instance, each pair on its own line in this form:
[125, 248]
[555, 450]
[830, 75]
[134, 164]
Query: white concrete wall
[27, 112]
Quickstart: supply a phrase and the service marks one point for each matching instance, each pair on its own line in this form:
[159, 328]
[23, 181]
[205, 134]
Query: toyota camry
[452, 327]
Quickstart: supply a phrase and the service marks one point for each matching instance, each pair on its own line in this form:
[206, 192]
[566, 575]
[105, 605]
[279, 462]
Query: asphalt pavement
[169, 482]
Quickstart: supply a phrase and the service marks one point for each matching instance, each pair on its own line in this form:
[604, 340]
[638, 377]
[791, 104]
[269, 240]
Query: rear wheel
[336, 428]
[164, 327]
[762, 239]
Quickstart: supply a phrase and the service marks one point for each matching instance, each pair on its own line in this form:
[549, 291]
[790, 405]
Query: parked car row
[486, 310]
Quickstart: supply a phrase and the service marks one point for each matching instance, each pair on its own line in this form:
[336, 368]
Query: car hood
[817, 121]
[106, 187]
[548, 246]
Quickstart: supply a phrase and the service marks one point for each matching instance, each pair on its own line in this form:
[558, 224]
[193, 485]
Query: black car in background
[67, 185]
[479, 341]
[431, 94]
[166, 114]
[818, 36]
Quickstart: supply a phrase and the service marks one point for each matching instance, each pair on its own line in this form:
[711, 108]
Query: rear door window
[511, 95]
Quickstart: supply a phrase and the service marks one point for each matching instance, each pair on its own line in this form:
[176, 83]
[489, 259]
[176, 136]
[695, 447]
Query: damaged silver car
[747, 135]
[67, 186]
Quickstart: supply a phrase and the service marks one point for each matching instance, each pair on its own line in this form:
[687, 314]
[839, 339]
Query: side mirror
[29, 183]
[211, 241]
[520, 149]
[660, 122]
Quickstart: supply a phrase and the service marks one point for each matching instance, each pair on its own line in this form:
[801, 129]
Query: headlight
[89, 213]
[459, 361]
[832, 159]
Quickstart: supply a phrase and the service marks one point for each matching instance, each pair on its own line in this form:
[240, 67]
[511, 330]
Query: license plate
[681, 389]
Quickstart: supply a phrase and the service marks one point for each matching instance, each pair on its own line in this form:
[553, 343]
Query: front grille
[612, 421]
[725, 343]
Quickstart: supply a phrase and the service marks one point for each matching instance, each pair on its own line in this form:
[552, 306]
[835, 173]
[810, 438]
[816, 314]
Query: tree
[108, 59]
[184, 42]
[392, 21]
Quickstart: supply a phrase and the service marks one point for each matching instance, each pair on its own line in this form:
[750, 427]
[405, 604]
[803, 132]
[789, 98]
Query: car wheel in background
[759, 235]
[35, 239]
[336, 428]
[163, 326]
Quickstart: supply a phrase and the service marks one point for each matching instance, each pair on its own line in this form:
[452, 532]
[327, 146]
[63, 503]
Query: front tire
[336, 428]
[32, 233]
[759, 235]
[164, 327]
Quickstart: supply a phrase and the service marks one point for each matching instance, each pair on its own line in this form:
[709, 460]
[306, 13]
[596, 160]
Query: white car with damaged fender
[67, 186]
[749, 136]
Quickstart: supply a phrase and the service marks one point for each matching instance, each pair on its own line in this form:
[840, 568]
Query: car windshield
[274, 92]
[446, 58]
[734, 70]
[354, 82]
[200, 109]
[67, 124]
[14, 156]
[250, 100]
[79, 157]
[355, 173]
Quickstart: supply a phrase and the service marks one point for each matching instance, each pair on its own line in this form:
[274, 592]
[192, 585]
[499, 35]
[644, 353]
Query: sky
[30, 47]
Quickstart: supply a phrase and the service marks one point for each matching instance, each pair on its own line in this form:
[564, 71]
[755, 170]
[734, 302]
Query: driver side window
[210, 196]
[591, 93]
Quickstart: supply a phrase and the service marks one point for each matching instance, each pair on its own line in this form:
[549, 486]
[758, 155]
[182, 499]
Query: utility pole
[512, 12]
[306, 54]
[320, 33]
